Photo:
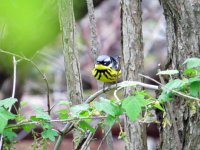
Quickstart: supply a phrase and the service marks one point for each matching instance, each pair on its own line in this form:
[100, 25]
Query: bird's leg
[104, 86]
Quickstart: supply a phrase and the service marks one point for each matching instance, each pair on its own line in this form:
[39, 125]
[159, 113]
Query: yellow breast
[105, 73]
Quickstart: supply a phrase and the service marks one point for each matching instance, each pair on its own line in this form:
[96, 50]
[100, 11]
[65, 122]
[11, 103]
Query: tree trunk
[183, 36]
[133, 64]
[72, 66]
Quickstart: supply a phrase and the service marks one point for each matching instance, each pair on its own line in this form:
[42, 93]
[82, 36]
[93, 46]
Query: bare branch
[119, 85]
[104, 138]
[14, 77]
[173, 91]
[42, 74]
[13, 91]
[56, 120]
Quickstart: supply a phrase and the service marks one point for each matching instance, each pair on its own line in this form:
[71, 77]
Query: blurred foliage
[28, 25]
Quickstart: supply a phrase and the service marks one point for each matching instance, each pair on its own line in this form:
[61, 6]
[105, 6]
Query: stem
[104, 138]
[14, 77]
[173, 91]
[13, 92]
[119, 85]
[43, 75]
[63, 120]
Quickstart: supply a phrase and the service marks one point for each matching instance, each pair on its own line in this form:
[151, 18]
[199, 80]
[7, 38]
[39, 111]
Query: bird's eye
[106, 63]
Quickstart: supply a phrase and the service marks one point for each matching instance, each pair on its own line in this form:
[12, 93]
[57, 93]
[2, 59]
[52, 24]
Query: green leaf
[165, 96]
[133, 105]
[176, 84]
[4, 117]
[49, 134]
[8, 102]
[63, 113]
[41, 114]
[46, 125]
[191, 80]
[110, 120]
[28, 127]
[194, 89]
[66, 103]
[84, 125]
[10, 135]
[19, 117]
[192, 62]
[23, 104]
[190, 71]
[158, 106]
[107, 106]
[75, 110]
[168, 72]
[84, 113]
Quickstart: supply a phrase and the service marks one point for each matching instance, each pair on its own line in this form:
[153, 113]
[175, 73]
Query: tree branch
[13, 92]
[104, 138]
[56, 120]
[173, 91]
[119, 85]
[42, 74]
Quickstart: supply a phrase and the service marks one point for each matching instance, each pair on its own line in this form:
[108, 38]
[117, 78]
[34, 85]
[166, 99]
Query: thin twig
[13, 91]
[56, 120]
[88, 140]
[121, 84]
[104, 138]
[173, 91]
[43, 75]
[115, 93]
[14, 77]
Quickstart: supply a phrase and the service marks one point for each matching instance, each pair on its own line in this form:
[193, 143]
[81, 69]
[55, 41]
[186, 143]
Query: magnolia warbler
[107, 69]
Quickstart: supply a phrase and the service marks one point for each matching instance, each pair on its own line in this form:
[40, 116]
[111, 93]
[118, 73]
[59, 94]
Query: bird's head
[103, 60]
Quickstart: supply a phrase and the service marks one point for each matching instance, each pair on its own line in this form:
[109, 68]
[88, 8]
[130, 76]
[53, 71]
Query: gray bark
[72, 66]
[183, 36]
[95, 51]
[71, 63]
[133, 64]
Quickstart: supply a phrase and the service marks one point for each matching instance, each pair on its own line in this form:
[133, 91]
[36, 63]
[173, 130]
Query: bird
[107, 69]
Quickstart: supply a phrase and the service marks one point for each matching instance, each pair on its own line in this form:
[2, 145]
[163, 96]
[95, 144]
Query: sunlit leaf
[4, 117]
[49, 134]
[75, 110]
[192, 62]
[84, 125]
[8, 102]
[41, 114]
[66, 103]
[133, 106]
[28, 127]
[110, 120]
[168, 72]
[108, 107]
[158, 106]
[10, 134]
[194, 89]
